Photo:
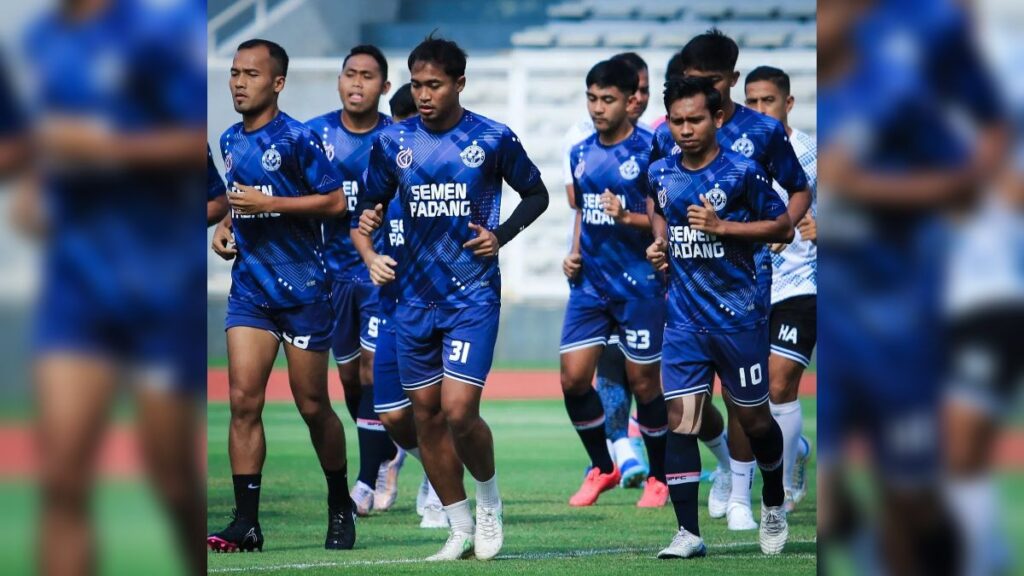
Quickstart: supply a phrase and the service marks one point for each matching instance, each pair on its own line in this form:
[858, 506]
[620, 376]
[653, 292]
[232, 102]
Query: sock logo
[252, 486]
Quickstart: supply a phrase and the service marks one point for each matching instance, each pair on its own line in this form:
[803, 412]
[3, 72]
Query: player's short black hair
[711, 51]
[617, 73]
[633, 59]
[373, 52]
[674, 68]
[770, 74]
[444, 53]
[402, 103]
[277, 53]
[679, 88]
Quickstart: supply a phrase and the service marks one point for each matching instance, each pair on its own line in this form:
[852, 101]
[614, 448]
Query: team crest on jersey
[329, 150]
[675, 149]
[663, 197]
[404, 158]
[229, 162]
[473, 156]
[744, 146]
[578, 172]
[716, 196]
[271, 160]
[629, 169]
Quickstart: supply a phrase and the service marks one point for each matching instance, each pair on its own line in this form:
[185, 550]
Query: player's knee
[65, 490]
[245, 406]
[573, 382]
[350, 375]
[756, 422]
[314, 409]
[461, 420]
[684, 415]
[366, 374]
[646, 389]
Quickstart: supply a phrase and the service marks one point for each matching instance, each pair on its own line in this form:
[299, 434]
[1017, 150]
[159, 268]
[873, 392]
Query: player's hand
[808, 228]
[704, 218]
[371, 220]
[224, 242]
[777, 247]
[657, 254]
[612, 205]
[248, 200]
[485, 245]
[382, 269]
[571, 265]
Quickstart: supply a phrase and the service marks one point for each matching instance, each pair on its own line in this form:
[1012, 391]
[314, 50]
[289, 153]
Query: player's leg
[74, 394]
[613, 388]
[793, 332]
[743, 466]
[742, 363]
[468, 350]
[715, 437]
[345, 344]
[584, 332]
[307, 336]
[687, 377]
[252, 348]
[641, 329]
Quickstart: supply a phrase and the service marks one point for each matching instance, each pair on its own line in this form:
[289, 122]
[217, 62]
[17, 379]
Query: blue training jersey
[392, 234]
[713, 282]
[280, 260]
[214, 183]
[350, 153]
[614, 255]
[446, 180]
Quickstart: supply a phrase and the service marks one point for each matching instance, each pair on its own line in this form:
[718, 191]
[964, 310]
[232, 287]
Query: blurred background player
[283, 186]
[216, 192]
[389, 399]
[613, 289]
[115, 194]
[714, 323]
[713, 55]
[448, 165]
[347, 135]
[792, 324]
[611, 383]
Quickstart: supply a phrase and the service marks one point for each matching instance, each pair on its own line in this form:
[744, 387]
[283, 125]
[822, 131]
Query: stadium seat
[626, 38]
[533, 38]
[569, 11]
[799, 9]
[755, 9]
[665, 10]
[583, 37]
[618, 10]
[715, 10]
[805, 37]
[767, 38]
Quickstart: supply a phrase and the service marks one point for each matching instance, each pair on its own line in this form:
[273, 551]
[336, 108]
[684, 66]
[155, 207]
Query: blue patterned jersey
[280, 259]
[614, 255]
[350, 153]
[446, 180]
[713, 282]
[392, 234]
[214, 183]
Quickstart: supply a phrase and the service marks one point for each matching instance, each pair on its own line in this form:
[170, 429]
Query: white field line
[524, 556]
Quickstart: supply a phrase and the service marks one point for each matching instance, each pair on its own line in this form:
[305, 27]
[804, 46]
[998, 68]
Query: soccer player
[347, 135]
[448, 165]
[390, 401]
[793, 319]
[216, 192]
[612, 288]
[611, 385]
[283, 185]
[713, 55]
[711, 208]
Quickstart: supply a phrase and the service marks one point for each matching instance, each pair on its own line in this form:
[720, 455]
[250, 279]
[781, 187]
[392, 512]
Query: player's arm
[377, 191]
[248, 200]
[572, 263]
[224, 239]
[533, 203]
[657, 252]
[772, 223]
[614, 208]
[381, 266]
[216, 209]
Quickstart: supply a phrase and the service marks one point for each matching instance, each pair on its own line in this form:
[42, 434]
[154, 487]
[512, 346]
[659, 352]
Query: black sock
[337, 489]
[682, 471]
[247, 495]
[653, 420]
[768, 451]
[375, 446]
[352, 402]
[587, 416]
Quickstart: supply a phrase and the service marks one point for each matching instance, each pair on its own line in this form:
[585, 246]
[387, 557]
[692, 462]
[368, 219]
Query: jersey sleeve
[321, 175]
[662, 143]
[652, 190]
[567, 145]
[514, 165]
[783, 165]
[380, 179]
[764, 201]
[214, 183]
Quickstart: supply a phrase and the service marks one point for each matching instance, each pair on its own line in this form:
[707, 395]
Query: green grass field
[540, 463]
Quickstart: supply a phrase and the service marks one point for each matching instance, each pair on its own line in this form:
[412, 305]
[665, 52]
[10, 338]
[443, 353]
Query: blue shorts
[388, 394]
[307, 327]
[453, 342]
[740, 359]
[357, 319]
[639, 324]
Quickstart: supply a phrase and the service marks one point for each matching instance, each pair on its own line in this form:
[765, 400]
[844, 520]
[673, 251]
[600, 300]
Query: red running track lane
[500, 385]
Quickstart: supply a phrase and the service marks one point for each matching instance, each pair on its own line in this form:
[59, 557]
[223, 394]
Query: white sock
[487, 493]
[720, 448]
[622, 450]
[459, 517]
[415, 453]
[742, 480]
[611, 449]
[432, 497]
[791, 421]
[973, 502]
